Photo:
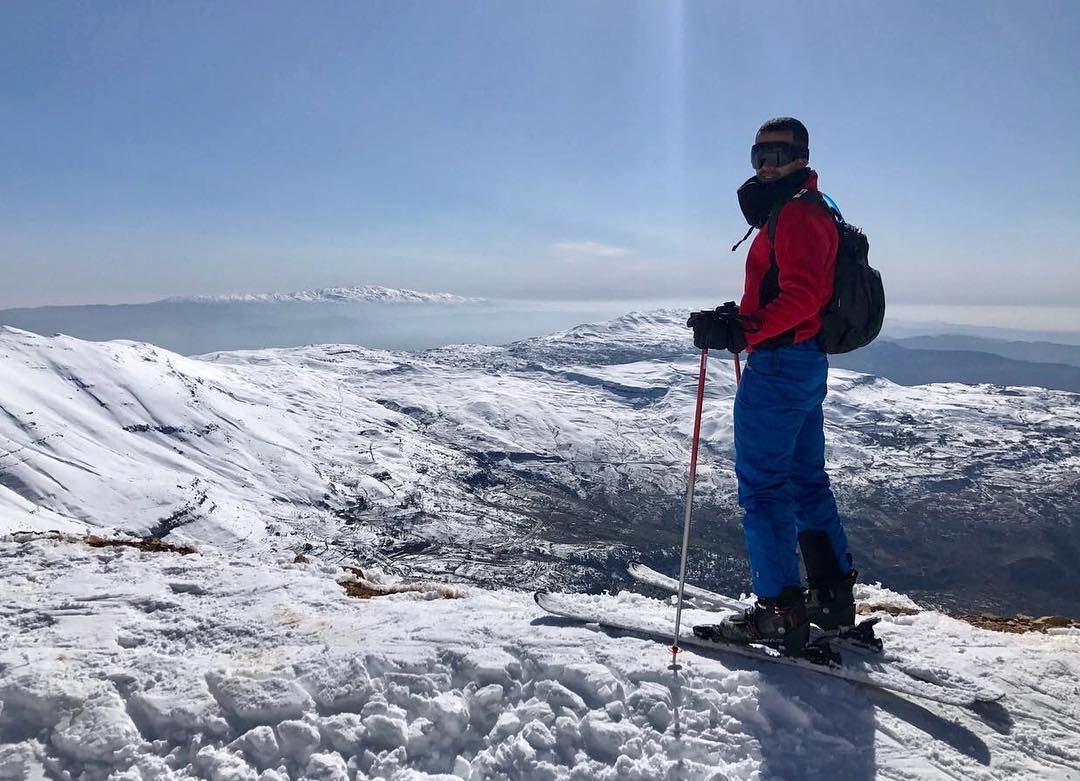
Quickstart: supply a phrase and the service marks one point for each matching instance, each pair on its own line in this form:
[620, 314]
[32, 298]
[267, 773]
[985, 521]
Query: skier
[779, 429]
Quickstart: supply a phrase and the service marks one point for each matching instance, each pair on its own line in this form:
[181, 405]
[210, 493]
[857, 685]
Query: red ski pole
[738, 370]
[689, 503]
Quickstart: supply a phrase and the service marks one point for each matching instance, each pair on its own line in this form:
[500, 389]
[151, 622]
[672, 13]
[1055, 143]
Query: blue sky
[526, 149]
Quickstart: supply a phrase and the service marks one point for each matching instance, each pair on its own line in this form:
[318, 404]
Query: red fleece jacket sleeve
[806, 241]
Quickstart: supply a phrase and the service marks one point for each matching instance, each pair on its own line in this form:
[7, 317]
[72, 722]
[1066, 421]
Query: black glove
[721, 335]
[718, 329]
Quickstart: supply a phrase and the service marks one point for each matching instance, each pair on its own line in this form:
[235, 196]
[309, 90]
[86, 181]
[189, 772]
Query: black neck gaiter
[757, 198]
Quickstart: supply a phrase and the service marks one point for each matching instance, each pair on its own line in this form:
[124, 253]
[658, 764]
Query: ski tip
[539, 594]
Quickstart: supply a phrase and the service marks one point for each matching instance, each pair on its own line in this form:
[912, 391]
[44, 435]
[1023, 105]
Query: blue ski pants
[780, 463]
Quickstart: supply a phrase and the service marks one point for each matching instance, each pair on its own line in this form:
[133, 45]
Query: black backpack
[853, 316]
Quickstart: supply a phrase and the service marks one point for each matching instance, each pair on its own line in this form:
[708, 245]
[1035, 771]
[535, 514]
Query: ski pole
[689, 504]
[738, 370]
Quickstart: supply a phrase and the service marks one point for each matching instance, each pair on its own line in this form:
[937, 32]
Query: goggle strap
[744, 238]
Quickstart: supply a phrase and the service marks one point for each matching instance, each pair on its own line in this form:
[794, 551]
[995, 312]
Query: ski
[859, 638]
[708, 600]
[633, 613]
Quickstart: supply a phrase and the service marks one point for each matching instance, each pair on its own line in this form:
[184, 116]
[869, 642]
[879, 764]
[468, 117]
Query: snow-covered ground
[541, 462]
[121, 664]
[500, 465]
[123, 434]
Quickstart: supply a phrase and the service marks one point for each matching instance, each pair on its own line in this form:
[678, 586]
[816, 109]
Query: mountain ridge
[552, 459]
[348, 294]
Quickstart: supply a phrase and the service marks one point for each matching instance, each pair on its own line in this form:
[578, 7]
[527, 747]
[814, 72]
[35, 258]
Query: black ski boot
[780, 622]
[829, 600]
[833, 607]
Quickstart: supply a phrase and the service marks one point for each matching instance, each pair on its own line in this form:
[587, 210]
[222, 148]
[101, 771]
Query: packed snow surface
[121, 664]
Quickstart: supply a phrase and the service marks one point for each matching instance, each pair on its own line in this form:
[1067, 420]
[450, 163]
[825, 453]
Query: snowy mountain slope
[22, 514]
[127, 665]
[547, 462]
[128, 435]
[354, 294]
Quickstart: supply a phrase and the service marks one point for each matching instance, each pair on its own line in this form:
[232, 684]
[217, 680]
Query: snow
[355, 294]
[244, 661]
[337, 444]
[269, 670]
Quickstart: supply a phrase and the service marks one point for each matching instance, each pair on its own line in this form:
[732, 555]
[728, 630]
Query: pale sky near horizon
[564, 149]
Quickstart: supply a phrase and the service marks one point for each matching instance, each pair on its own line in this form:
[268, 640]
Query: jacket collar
[757, 199]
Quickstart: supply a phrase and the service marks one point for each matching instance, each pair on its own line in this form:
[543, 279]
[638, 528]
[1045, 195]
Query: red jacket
[806, 244]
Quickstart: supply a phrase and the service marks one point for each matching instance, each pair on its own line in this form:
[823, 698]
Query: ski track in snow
[119, 664]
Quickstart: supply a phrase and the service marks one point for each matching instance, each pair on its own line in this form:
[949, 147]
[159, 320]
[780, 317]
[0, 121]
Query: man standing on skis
[779, 428]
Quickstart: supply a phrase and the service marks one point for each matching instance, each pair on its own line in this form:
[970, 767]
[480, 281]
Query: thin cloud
[592, 249]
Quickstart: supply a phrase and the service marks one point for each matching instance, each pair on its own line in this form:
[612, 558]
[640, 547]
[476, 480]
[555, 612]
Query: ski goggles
[776, 154]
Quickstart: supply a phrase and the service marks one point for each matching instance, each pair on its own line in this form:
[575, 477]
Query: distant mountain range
[1030, 351]
[365, 314]
[934, 361]
[354, 294]
[393, 318]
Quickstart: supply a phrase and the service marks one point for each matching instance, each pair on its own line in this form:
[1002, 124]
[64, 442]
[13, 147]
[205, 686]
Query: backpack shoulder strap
[806, 195]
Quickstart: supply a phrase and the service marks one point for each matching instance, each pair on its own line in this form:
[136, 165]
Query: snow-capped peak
[354, 294]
